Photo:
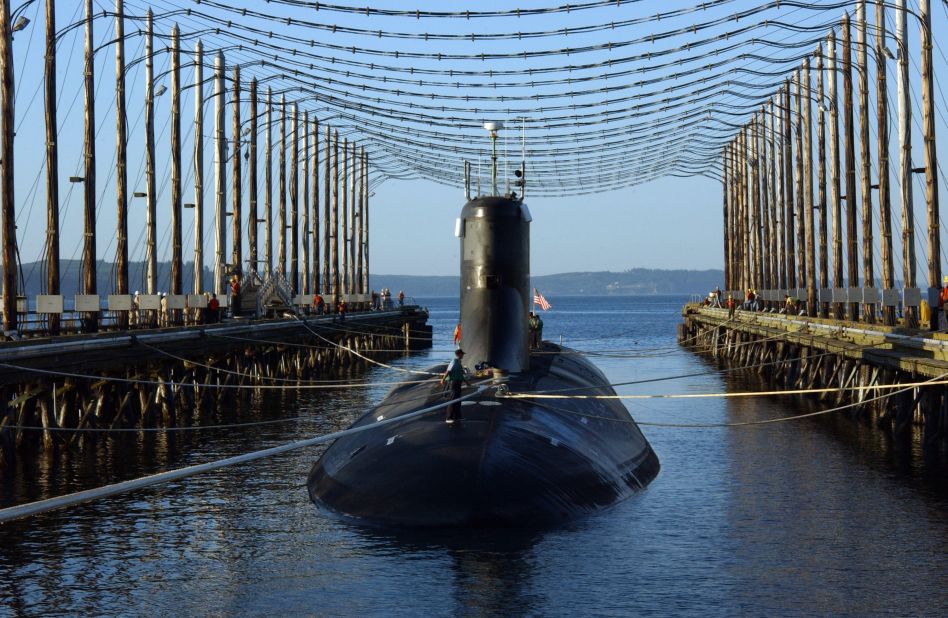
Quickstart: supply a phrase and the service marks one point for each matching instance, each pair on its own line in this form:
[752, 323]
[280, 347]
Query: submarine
[508, 461]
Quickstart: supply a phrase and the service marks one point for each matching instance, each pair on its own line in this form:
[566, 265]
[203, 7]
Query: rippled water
[817, 516]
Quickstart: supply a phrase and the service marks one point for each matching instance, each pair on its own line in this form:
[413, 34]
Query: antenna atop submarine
[492, 126]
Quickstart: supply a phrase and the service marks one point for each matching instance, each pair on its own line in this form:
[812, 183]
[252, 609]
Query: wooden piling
[804, 84]
[334, 224]
[725, 182]
[835, 201]
[801, 203]
[344, 218]
[862, 58]
[365, 218]
[773, 243]
[882, 139]
[90, 320]
[852, 258]
[304, 223]
[268, 184]
[789, 218]
[220, 176]
[327, 208]
[910, 312]
[781, 205]
[353, 286]
[52, 166]
[121, 165]
[821, 181]
[151, 193]
[295, 202]
[236, 255]
[931, 157]
[315, 213]
[281, 219]
[252, 216]
[198, 278]
[176, 257]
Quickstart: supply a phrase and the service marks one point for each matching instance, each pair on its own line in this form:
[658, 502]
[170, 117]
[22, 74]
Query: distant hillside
[636, 281]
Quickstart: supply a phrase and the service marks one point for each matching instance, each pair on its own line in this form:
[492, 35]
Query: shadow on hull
[507, 463]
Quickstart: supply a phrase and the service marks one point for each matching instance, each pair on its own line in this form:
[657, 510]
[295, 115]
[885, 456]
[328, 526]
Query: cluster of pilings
[180, 389]
[847, 369]
[345, 184]
[771, 227]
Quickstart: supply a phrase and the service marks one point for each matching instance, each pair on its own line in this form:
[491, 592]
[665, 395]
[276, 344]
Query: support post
[360, 226]
[344, 218]
[788, 185]
[315, 216]
[801, 221]
[834, 193]
[353, 285]
[151, 192]
[90, 320]
[295, 202]
[176, 257]
[7, 204]
[773, 243]
[821, 181]
[862, 57]
[882, 139]
[268, 184]
[725, 184]
[931, 158]
[220, 176]
[304, 223]
[236, 254]
[852, 258]
[281, 219]
[121, 165]
[811, 308]
[252, 221]
[777, 138]
[52, 166]
[327, 208]
[365, 216]
[334, 225]
[910, 313]
[198, 279]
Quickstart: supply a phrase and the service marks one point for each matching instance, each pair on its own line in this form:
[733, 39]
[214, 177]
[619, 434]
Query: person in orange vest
[235, 296]
[731, 305]
[942, 299]
[341, 310]
[319, 303]
[457, 335]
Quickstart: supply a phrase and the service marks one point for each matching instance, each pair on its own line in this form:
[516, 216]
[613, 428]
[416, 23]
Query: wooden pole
[281, 220]
[760, 184]
[745, 213]
[931, 158]
[334, 225]
[121, 165]
[821, 181]
[220, 176]
[268, 184]
[862, 58]
[788, 185]
[328, 186]
[176, 257]
[801, 202]
[773, 241]
[725, 182]
[236, 256]
[852, 258]
[7, 204]
[804, 85]
[834, 194]
[781, 191]
[365, 217]
[353, 286]
[304, 223]
[90, 321]
[344, 218]
[252, 216]
[198, 278]
[360, 228]
[52, 166]
[905, 162]
[882, 139]
[151, 192]
[295, 203]
[315, 216]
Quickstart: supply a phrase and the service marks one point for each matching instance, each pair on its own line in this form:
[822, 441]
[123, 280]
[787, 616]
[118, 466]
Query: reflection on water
[818, 516]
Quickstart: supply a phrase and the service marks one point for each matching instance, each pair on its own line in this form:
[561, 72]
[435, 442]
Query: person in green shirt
[454, 376]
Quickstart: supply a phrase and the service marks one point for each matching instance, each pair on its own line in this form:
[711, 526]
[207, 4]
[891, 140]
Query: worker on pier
[213, 310]
[235, 296]
[731, 306]
[319, 303]
[454, 376]
[401, 298]
[942, 300]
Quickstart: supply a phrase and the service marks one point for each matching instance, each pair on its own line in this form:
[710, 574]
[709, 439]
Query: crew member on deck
[454, 376]
[942, 300]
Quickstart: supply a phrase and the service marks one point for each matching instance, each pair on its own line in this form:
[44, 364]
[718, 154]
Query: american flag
[539, 300]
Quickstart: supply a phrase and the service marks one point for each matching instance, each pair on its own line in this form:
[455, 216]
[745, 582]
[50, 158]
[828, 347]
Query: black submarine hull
[508, 463]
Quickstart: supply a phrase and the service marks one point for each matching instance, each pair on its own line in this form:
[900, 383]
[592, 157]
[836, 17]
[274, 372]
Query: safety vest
[456, 371]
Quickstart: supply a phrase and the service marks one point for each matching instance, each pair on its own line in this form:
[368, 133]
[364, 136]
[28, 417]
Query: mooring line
[49, 504]
[726, 395]
[68, 374]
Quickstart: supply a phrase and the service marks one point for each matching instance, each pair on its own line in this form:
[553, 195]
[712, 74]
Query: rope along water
[43, 506]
